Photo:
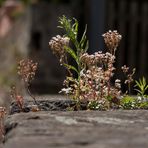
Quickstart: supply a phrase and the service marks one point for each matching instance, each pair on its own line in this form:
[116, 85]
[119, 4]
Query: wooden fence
[130, 18]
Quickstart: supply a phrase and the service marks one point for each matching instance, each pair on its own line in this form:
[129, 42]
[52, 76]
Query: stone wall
[89, 129]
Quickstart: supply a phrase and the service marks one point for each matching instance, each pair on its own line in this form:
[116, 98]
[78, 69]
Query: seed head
[27, 69]
[57, 45]
[112, 39]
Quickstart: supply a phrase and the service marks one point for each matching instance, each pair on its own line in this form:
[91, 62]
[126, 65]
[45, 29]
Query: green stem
[66, 61]
[129, 88]
[79, 70]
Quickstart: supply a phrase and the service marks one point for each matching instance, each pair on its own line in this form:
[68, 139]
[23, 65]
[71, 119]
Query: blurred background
[26, 26]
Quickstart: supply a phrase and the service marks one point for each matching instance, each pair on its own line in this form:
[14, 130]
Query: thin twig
[30, 94]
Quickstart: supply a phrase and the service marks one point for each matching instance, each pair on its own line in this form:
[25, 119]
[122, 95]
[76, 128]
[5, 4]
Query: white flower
[117, 81]
[139, 98]
[66, 90]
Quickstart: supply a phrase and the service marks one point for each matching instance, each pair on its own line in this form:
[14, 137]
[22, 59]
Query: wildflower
[125, 69]
[118, 83]
[94, 71]
[130, 77]
[139, 99]
[66, 90]
[27, 69]
[85, 59]
[57, 45]
[112, 39]
[18, 98]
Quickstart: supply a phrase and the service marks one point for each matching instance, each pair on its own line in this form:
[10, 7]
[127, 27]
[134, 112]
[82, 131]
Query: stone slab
[89, 129]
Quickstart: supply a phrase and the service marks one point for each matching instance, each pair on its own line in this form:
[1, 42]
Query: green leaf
[71, 52]
[138, 84]
[142, 86]
[71, 30]
[84, 35]
[138, 91]
[70, 67]
[86, 47]
[146, 87]
[84, 41]
[75, 28]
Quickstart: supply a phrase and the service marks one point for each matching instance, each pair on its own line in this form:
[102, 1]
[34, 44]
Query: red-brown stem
[94, 93]
[101, 90]
[66, 61]
[2, 130]
[27, 88]
[108, 87]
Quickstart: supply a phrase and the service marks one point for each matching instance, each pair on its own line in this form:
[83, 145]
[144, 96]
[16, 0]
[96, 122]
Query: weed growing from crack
[90, 79]
[129, 77]
[27, 69]
[60, 47]
[112, 39]
[17, 97]
[94, 72]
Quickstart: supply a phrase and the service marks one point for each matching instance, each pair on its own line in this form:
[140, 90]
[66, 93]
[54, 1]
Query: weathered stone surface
[90, 129]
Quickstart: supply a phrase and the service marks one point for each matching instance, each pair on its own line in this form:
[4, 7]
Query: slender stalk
[108, 85]
[2, 129]
[66, 61]
[30, 94]
[129, 88]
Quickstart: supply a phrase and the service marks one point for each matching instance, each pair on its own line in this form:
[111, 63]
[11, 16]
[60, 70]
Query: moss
[143, 105]
[128, 102]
